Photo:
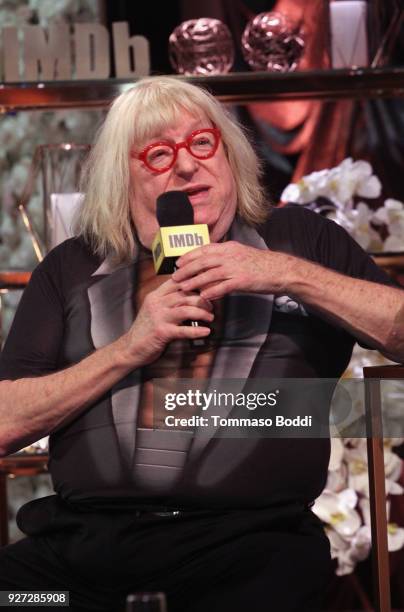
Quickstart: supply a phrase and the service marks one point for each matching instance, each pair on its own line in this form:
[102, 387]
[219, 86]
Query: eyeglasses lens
[202, 146]
[160, 156]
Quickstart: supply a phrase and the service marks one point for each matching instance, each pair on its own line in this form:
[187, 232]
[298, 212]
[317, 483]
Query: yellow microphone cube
[174, 241]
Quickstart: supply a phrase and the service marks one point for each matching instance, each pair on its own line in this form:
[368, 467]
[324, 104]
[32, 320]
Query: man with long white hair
[216, 523]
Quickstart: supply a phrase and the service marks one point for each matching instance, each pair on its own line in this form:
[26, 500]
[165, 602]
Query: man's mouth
[197, 193]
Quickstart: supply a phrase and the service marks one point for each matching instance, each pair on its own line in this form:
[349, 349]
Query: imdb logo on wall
[80, 51]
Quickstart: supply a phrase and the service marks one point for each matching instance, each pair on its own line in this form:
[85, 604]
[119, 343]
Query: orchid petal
[395, 537]
[392, 204]
[369, 188]
[393, 244]
[337, 453]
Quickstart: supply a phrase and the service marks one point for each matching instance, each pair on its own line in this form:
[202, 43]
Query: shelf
[16, 465]
[14, 279]
[237, 87]
[18, 279]
[394, 260]
[24, 464]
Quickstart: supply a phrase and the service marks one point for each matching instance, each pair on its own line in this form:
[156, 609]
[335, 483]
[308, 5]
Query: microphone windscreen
[174, 208]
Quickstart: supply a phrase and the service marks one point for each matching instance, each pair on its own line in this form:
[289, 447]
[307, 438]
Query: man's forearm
[370, 311]
[33, 407]
[30, 408]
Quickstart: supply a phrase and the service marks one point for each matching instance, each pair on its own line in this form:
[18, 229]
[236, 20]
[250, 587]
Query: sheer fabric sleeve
[34, 340]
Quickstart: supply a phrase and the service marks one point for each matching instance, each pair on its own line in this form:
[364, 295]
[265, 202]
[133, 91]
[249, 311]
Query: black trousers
[267, 560]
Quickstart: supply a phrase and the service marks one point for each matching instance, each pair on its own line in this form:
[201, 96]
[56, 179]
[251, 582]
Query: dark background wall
[156, 21]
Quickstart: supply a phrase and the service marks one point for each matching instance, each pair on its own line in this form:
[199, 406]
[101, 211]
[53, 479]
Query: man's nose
[185, 162]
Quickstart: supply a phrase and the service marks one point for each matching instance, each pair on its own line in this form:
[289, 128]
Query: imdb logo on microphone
[174, 241]
[185, 240]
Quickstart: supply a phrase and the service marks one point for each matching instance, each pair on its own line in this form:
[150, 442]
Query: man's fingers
[180, 298]
[203, 279]
[204, 252]
[195, 300]
[169, 286]
[195, 267]
[219, 290]
[191, 313]
[190, 333]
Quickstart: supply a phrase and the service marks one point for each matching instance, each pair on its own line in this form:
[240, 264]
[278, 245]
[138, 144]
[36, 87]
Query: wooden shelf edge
[14, 279]
[236, 88]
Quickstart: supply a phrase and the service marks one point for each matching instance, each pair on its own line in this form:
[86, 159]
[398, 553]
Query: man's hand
[30, 408]
[160, 320]
[371, 312]
[218, 269]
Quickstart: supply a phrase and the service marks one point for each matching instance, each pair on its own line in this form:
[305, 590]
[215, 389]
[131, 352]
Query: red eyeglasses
[160, 156]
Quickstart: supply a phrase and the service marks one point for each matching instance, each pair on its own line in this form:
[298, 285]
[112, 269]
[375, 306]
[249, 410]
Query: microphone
[177, 234]
[174, 208]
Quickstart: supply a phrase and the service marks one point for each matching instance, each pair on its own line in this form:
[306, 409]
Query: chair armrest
[385, 372]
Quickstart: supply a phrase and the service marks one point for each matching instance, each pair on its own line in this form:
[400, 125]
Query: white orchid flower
[342, 184]
[337, 510]
[361, 543]
[395, 534]
[393, 244]
[356, 459]
[393, 464]
[392, 215]
[368, 185]
[339, 185]
[337, 542]
[356, 221]
[337, 479]
[395, 537]
[351, 179]
[337, 469]
[337, 454]
[307, 189]
[358, 479]
[388, 211]
[349, 551]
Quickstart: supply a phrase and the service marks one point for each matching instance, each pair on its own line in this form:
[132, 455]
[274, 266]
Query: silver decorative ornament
[271, 41]
[201, 46]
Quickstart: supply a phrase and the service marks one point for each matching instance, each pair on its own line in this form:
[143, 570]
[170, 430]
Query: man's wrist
[283, 272]
[126, 356]
[301, 275]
